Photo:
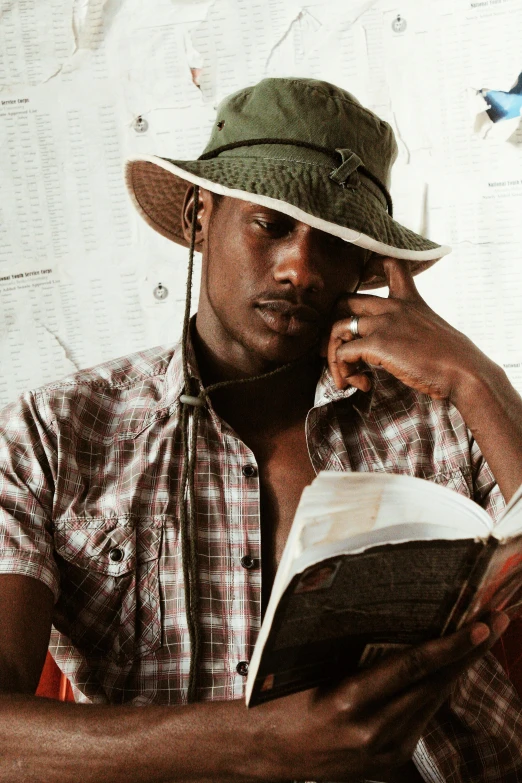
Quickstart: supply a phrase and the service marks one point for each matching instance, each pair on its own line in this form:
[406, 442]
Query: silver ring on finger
[354, 326]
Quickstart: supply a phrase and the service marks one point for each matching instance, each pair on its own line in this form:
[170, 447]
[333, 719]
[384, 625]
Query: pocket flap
[110, 546]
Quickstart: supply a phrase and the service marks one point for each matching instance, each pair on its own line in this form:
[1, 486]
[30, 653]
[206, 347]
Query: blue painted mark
[504, 105]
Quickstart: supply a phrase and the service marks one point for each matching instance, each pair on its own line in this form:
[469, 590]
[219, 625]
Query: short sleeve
[486, 491]
[27, 468]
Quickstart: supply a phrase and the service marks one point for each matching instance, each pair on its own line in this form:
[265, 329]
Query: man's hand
[365, 725]
[406, 337]
[371, 722]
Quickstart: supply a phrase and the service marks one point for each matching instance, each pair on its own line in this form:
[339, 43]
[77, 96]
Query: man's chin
[276, 352]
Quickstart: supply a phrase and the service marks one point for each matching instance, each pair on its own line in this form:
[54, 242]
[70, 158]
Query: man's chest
[285, 470]
[117, 539]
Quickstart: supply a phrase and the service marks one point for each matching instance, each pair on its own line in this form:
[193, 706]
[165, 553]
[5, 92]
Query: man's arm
[368, 724]
[407, 338]
[25, 625]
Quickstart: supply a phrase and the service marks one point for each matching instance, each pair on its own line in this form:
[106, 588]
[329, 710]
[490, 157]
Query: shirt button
[247, 561]
[242, 668]
[116, 555]
[249, 471]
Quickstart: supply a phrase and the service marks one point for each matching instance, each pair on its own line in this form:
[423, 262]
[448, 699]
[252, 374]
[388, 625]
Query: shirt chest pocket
[109, 604]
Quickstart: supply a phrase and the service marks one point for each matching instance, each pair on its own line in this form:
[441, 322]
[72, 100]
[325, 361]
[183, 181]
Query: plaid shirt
[90, 470]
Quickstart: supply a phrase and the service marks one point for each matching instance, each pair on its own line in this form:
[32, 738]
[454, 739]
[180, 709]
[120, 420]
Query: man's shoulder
[124, 372]
[98, 402]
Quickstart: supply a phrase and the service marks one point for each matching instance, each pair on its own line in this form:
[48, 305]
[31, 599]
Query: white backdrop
[84, 83]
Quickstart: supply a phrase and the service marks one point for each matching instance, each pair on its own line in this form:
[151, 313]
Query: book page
[339, 506]
[352, 516]
[348, 512]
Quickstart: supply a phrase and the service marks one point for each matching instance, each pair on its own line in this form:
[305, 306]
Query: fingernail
[499, 624]
[479, 633]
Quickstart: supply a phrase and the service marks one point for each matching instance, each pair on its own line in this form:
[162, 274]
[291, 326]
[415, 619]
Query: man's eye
[272, 228]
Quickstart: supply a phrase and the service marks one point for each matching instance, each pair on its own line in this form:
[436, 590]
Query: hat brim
[303, 191]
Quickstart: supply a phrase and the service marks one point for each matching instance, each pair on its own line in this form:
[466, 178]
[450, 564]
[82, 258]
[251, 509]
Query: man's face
[269, 282]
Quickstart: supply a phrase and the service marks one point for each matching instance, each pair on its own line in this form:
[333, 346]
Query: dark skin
[263, 275]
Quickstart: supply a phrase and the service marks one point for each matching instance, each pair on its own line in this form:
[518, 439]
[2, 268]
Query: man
[143, 499]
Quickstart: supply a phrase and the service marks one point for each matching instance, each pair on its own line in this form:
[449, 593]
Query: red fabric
[53, 684]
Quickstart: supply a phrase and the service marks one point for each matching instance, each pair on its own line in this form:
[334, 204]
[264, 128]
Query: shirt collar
[326, 390]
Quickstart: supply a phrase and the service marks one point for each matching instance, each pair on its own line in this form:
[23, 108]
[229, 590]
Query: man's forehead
[252, 207]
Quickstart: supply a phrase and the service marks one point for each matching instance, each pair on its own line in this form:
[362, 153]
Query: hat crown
[302, 147]
[309, 111]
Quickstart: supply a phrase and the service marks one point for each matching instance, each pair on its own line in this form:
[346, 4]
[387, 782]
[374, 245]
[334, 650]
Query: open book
[374, 562]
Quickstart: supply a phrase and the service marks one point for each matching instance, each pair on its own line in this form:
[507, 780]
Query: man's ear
[187, 213]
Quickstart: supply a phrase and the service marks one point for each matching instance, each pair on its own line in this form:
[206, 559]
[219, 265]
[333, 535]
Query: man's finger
[332, 362]
[366, 325]
[403, 720]
[399, 723]
[408, 714]
[360, 381]
[345, 355]
[400, 280]
[344, 374]
[400, 672]
[361, 304]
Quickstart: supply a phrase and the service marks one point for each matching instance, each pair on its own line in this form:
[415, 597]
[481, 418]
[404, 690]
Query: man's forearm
[363, 726]
[492, 410]
[44, 740]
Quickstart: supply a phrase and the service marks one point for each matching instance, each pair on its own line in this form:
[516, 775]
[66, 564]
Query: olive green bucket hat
[299, 146]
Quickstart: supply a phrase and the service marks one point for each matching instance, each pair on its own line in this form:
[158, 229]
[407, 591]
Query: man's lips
[287, 318]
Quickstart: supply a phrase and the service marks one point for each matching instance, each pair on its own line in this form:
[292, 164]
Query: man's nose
[299, 261]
